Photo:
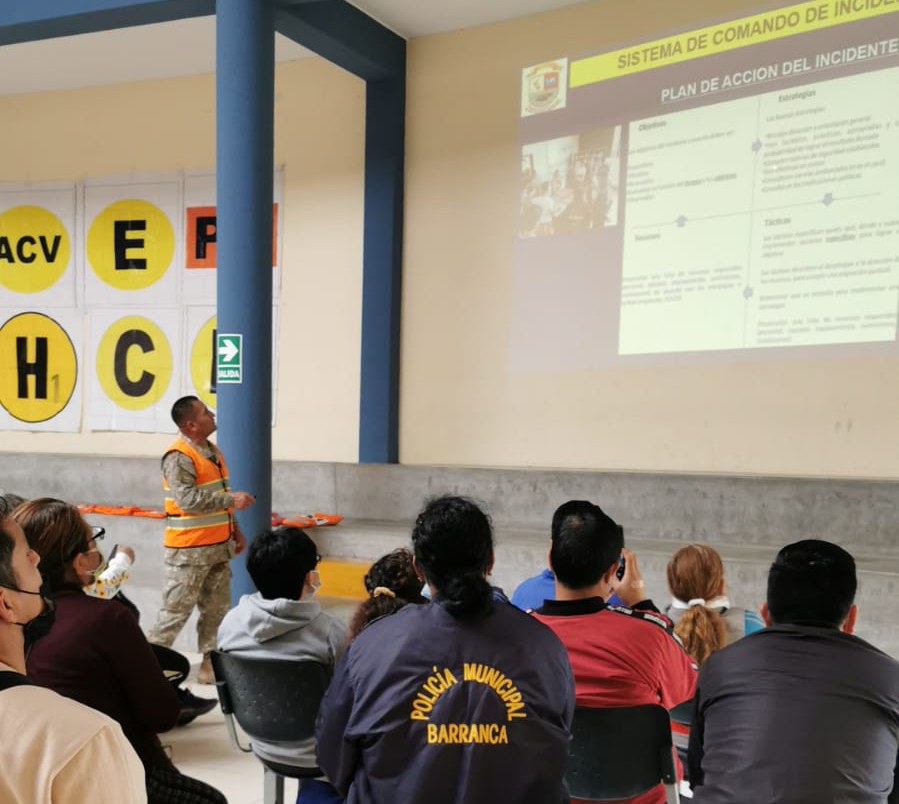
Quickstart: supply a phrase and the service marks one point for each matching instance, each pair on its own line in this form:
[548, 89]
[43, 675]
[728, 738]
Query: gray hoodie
[283, 629]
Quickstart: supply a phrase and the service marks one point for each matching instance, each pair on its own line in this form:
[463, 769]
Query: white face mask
[314, 584]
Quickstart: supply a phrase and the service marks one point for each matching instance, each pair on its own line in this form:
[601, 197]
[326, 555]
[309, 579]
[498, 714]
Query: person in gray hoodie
[282, 620]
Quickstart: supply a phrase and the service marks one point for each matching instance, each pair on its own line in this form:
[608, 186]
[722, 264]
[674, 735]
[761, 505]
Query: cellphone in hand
[619, 573]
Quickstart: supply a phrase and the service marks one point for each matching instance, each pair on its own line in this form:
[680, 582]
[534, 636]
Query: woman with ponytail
[703, 616]
[391, 583]
[466, 699]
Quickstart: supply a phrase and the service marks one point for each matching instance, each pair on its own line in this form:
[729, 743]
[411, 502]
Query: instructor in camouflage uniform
[201, 534]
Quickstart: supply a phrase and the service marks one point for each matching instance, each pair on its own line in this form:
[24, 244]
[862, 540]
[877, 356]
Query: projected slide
[733, 187]
[765, 221]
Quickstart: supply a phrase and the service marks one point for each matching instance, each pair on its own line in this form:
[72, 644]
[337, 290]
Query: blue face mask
[426, 591]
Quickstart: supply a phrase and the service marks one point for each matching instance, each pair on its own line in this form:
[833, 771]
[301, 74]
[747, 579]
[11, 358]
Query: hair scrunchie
[378, 591]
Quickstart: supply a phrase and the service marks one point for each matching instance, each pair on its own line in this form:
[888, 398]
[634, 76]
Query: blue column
[245, 72]
[385, 112]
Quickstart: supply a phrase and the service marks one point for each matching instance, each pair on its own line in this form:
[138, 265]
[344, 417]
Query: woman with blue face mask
[96, 652]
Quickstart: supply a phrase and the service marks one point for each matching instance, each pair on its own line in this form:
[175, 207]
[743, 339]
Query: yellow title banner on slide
[766, 27]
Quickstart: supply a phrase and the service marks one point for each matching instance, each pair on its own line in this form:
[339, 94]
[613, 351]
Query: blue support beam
[245, 104]
[382, 264]
[28, 20]
[344, 35]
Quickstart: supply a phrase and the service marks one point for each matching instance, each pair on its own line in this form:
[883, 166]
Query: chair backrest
[272, 699]
[619, 753]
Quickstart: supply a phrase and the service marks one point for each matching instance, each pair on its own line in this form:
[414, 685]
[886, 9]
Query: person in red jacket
[620, 656]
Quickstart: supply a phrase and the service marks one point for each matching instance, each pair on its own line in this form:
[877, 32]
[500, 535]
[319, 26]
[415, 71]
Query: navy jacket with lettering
[426, 708]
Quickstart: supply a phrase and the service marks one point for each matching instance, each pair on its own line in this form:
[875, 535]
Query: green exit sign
[229, 358]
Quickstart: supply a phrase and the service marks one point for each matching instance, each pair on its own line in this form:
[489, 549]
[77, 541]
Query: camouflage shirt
[181, 475]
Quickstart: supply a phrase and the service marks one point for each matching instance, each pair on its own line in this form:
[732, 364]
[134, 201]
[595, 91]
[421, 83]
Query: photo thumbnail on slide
[570, 184]
[750, 168]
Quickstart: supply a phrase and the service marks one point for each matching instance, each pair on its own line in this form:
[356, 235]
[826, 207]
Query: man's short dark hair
[9, 502]
[811, 582]
[278, 561]
[183, 410]
[585, 543]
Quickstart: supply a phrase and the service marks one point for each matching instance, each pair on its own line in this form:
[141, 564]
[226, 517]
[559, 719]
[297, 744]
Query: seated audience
[96, 653]
[107, 583]
[702, 614]
[466, 699]
[283, 621]
[620, 656]
[391, 583]
[802, 711]
[55, 751]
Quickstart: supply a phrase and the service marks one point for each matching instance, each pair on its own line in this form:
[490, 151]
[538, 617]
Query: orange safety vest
[184, 529]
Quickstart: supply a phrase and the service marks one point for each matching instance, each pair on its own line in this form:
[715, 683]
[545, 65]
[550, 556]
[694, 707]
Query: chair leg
[272, 787]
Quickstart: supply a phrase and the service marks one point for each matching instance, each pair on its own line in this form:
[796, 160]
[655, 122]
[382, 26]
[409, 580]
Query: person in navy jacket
[466, 700]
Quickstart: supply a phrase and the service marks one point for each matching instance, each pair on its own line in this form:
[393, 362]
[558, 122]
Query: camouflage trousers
[194, 577]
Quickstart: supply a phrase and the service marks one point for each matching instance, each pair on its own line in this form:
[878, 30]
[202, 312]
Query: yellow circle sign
[130, 244]
[134, 363]
[202, 365]
[34, 249]
[38, 367]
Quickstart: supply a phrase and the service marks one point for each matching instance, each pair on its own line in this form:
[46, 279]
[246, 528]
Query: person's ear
[549, 559]
[766, 615]
[608, 577]
[848, 625]
[417, 570]
[7, 615]
[79, 564]
[490, 563]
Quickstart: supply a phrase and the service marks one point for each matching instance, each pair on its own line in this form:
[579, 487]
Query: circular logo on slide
[38, 367]
[34, 249]
[134, 363]
[130, 244]
[201, 363]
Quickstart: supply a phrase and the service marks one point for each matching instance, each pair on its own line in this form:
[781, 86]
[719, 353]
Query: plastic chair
[681, 720]
[620, 753]
[272, 700]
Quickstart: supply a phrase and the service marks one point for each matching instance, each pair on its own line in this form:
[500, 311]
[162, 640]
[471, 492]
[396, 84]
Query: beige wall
[460, 402]
[166, 126]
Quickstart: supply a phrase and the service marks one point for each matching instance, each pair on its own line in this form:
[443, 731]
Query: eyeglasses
[97, 533]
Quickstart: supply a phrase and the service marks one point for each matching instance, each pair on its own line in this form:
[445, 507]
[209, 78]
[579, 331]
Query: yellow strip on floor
[343, 578]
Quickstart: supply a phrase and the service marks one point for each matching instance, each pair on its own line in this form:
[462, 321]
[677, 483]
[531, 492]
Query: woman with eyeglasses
[96, 652]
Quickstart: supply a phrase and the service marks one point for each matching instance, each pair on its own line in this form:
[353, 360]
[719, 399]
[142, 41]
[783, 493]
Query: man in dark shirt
[802, 711]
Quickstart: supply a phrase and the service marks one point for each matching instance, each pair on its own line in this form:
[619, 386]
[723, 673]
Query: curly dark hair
[393, 572]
